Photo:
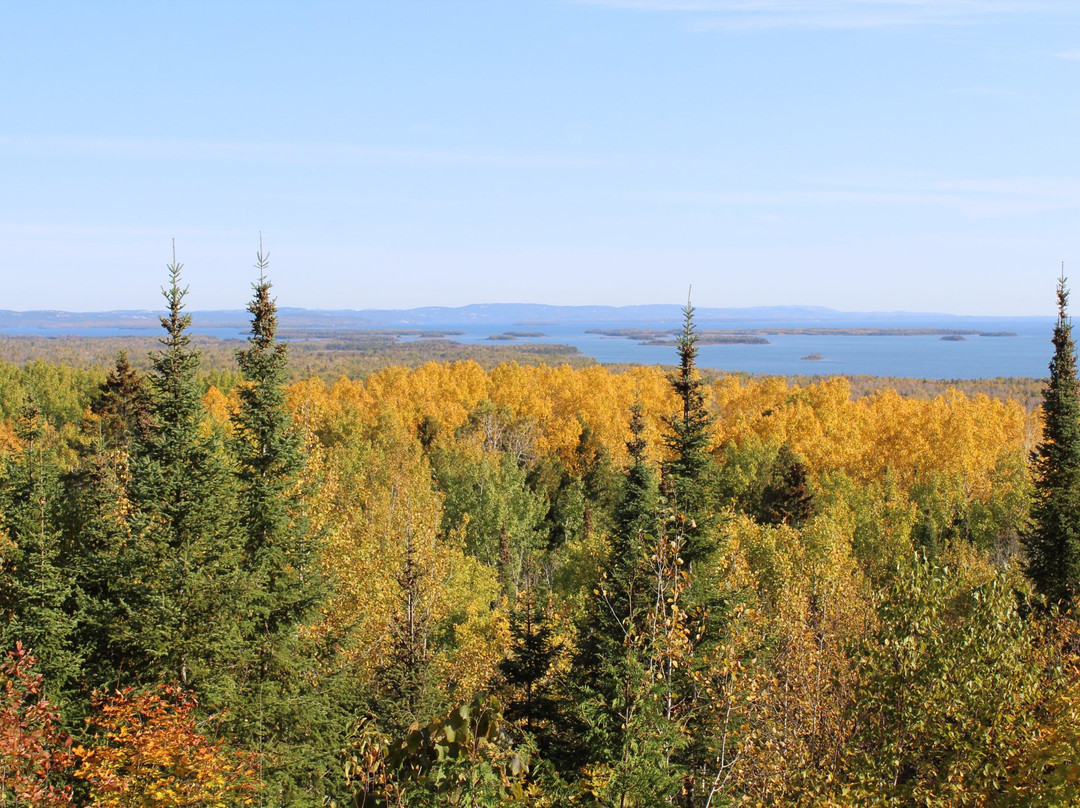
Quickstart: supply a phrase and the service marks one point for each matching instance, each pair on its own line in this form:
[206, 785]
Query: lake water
[927, 357]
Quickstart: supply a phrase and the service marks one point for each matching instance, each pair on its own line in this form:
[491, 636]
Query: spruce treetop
[175, 322]
[687, 473]
[264, 361]
[174, 379]
[687, 381]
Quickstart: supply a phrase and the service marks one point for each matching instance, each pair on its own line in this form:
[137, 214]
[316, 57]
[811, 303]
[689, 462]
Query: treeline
[353, 354]
[534, 585]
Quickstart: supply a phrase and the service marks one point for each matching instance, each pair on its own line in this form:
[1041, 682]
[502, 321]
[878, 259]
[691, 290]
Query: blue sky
[920, 155]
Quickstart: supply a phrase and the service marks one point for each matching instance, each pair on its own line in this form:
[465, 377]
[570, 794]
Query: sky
[866, 155]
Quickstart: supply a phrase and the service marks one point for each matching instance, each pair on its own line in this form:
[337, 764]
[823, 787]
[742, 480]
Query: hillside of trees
[230, 581]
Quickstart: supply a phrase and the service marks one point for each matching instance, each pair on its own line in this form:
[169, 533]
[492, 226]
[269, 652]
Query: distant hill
[526, 314]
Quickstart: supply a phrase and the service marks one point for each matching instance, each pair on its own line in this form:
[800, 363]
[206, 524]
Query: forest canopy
[229, 581]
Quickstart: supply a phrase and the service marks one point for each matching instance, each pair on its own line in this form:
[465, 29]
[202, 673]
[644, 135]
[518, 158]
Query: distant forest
[357, 354]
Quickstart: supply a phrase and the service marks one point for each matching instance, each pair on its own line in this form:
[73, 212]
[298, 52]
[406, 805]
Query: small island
[954, 338]
[812, 357]
[666, 338]
[512, 335]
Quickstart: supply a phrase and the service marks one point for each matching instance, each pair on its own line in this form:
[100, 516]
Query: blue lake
[928, 357]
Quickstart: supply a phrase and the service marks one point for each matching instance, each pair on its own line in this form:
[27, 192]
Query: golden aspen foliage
[446, 392]
[9, 441]
[376, 496]
[793, 685]
[557, 400]
[960, 459]
[863, 438]
[219, 407]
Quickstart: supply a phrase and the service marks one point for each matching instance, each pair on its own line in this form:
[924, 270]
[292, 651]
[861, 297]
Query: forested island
[512, 335]
[651, 336]
[252, 573]
[756, 336]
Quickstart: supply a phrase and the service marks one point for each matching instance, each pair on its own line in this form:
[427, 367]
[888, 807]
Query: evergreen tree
[1053, 540]
[106, 557]
[122, 406]
[631, 638]
[786, 497]
[600, 482]
[624, 579]
[687, 475]
[279, 554]
[633, 705]
[185, 626]
[688, 482]
[407, 692]
[105, 565]
[280, 710]
[529, 668]
[635, 520]
[35, 589]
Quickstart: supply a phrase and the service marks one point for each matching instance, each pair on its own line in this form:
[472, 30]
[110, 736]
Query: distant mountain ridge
[656, 315]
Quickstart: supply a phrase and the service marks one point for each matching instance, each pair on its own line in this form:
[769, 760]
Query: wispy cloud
[985, 198]
[166, 149]
[835, 14]
[113, 234]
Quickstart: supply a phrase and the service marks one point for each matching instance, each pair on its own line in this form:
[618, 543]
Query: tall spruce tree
[1052, 542]
[689, 483]
[280, 714]
[687, 474]
[279, 552]
[620, 669]
[184, 625]
[636, 514]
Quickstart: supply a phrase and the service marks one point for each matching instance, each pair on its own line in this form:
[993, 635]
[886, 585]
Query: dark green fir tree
[407, 693]
[281, 712]
[636, 514]
[533, 699]
[687, 475]
[623, 723]
[122, 407]
[106, 556]
[35, 588]
[1052, 542]
[786, 497]
[184, 625]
